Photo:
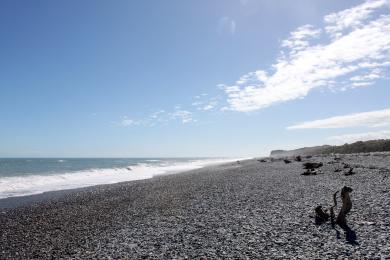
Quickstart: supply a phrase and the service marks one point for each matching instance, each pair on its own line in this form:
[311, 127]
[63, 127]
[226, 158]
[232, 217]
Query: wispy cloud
[352, 49]
[160, 117]
[210, 106]
[226, 25]
[377, 118]
[352, 18]
[183, 115]
[350, 138]
[203, 103]
[128, 122]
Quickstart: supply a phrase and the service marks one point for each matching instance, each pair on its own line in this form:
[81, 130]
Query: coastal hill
[357, 147]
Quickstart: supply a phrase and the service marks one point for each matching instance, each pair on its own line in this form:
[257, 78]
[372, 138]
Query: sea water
[27, 176]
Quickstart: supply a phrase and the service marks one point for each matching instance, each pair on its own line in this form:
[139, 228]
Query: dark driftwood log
[321, 216]
[312, 165]
[345, 208]
[309, 172]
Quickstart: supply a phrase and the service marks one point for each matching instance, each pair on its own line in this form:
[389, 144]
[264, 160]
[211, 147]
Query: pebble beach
[250, 209]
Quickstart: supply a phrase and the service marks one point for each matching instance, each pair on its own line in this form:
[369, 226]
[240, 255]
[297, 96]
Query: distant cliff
[357, 147]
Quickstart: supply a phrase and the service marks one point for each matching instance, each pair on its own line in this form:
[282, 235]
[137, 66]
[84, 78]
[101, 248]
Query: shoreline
[26, 200]
[130, 173]
[250, 209]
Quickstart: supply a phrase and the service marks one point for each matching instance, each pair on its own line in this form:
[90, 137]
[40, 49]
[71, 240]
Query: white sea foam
[35, 184]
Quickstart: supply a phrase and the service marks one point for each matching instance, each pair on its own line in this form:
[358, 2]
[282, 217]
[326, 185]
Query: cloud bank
[377, 118]
[352, 49]
[350, 138]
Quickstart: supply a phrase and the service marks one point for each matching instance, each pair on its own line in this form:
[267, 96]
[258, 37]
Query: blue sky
[190, 78]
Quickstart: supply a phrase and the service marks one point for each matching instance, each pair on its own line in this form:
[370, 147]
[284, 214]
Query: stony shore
[248, 209]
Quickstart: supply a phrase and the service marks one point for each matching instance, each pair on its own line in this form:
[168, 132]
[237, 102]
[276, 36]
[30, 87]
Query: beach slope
[248, 209]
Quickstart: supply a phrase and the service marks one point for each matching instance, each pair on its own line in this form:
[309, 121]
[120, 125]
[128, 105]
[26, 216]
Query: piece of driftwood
[312, 165]
[350, 172]
[345, 208]
[309, 172]
[321, 215]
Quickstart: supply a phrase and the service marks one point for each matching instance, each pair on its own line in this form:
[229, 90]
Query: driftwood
[309, 172]
[312, 165]
[350, 172]
[312, 168]
[345, 208]
[322, 216]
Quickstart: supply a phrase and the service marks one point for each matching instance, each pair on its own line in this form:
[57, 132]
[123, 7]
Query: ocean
[27, 176]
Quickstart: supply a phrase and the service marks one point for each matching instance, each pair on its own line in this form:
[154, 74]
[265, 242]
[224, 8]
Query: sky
[173, 78]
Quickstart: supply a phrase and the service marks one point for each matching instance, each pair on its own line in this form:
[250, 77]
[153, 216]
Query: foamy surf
[38, 183]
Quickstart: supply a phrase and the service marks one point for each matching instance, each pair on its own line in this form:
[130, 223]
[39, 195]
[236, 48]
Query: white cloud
[160, 117]
[226, 25]
[377, 118]
[204, 103]
[350, 138]
[352, 50]
[210, 106]
[128, 122]
[353, 17]
[183, 115]
[252, 78]
[156, 115]
[299, 39]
